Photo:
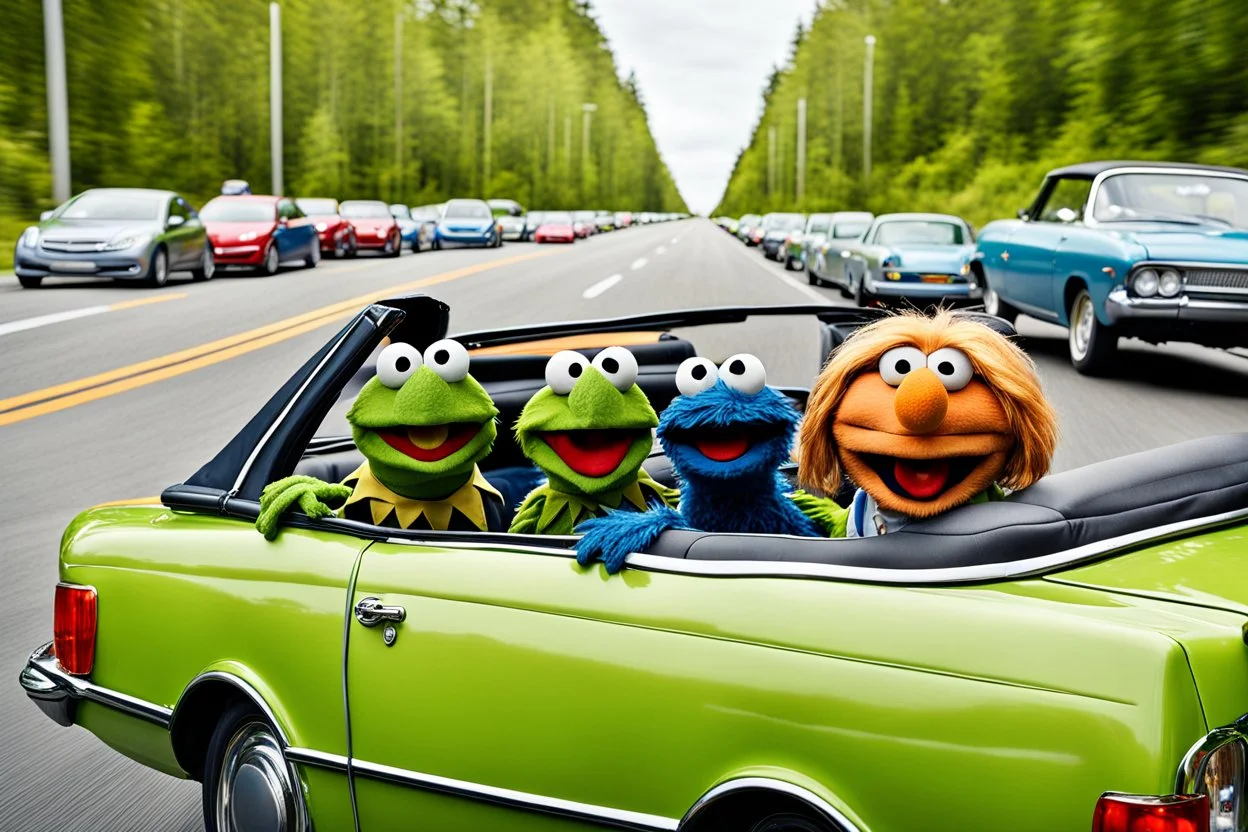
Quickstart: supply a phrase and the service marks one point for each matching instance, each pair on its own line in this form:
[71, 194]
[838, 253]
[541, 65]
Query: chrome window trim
[56, 681]
[830, 813]
[243, 687]
[1099, 179]
[1192, 768]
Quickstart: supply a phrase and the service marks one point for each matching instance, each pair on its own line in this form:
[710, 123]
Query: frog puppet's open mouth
[592, 453]
[429, 443]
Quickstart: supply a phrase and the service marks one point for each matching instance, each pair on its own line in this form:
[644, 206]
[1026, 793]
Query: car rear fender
[749, 795]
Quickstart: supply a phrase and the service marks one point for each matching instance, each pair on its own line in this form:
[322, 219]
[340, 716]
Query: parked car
[375, 227]
[604, 220]
[843, 227]
[505, 208]
[468, 222]
[584, 223]
[532, 220]
[745, 228]
[1150, 250]
[235, 187]
[336, 234]
[813, 234]
[409, 229]
[427, 216]
[623, 219]
[1006, 663]
[913, 257]
[260, 233]
[776, 229]
[512, 227]
[556, 227]
[129, 234]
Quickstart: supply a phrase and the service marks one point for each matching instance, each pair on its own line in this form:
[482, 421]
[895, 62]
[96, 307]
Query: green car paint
[516, 669]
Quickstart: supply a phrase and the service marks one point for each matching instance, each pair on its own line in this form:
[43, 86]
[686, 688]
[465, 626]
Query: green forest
[974, 100]
[175, 94]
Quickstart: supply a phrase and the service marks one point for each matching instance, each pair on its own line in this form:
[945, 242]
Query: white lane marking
[55, 318]
[792, 281]
[675, 240]
[660, 250]
[639, 263]
[601, 286]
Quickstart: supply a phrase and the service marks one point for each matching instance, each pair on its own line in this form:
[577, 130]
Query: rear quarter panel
[1083, 255]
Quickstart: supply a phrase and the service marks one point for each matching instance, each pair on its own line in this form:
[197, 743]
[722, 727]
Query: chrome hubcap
[270, 260]
[210, 266]
[1081, 327]
[162, 266]
[256, 791]
[990, 301]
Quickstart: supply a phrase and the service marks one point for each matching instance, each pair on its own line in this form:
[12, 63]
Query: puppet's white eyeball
[744, 373]
[396, 364]
[900, 362]
[563, 369]
[448, 359]
[618, 365]
[695, 375]
[952, 367]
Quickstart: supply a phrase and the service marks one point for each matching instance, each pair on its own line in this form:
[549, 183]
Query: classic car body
[776, 230]
[843, 227]
[745, 228]
[1008, 660]
[914, 257]
[1149, 250]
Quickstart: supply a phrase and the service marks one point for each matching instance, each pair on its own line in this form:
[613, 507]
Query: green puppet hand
[308, 493]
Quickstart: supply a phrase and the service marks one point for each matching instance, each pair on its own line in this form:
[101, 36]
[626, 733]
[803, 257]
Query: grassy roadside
[10, 229]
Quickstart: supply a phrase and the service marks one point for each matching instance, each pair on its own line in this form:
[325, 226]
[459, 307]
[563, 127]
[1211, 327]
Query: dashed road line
[601, 286]
[86, 312]
[660, 250]
[640, 263]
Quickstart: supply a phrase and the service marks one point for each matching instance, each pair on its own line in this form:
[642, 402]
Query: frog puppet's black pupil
[441, 357]
[575, 371]
[610, 365]
[402, 363]
[698, 372]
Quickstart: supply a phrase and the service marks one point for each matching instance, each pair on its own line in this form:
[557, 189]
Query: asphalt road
[125, 440]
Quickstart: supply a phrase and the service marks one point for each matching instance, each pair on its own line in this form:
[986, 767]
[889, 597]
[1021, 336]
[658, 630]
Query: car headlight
[1169, 284]
[890, 261]
[965, 270]
[1145, 283]
[30, 237]
[247, 236]
[123, 243]
[322, 227]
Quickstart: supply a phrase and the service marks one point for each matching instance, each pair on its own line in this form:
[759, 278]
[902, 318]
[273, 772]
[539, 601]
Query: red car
[337, 235]
[556, 227]
[583, 224]
[259, 232]
[374, 226]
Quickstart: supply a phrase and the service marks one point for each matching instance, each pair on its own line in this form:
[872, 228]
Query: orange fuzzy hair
[1005, 368]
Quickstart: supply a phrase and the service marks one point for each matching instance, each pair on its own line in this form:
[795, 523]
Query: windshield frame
[160, 200]
[1089, 218]
[385, 207]
[951, 222]
[467, 203]
[246, 201]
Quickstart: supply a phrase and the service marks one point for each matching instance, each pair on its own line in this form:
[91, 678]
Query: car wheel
[1093, 345]
[340, 249]
[30, 282]
[314, 255]
[994, 305]
[207, 266]
[437, 244]
[158, 269]
[248, 782]
[790, 822]
[861, 296]
[353, 247]
[271, 261]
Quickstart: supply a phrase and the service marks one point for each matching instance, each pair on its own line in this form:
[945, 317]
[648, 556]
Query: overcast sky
[701, 65]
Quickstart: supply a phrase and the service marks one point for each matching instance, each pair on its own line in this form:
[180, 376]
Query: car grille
[1213, 279]
[72, 245]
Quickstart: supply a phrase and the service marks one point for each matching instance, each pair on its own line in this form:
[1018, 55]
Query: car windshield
[534, 217]
[819, 226]
[583, 216]
[1189, 198]
[425, 213]
[238, 210]
[557, 218]
[467, 211]
[919, 232]
[849, 230]
[785, 222]
[115, 206]
[317, 207]
[365, 210]
[401, 211]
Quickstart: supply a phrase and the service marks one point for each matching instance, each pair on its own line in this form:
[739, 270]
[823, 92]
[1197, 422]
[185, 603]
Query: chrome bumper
[57, 693]
[900, 289]
[1120, 306]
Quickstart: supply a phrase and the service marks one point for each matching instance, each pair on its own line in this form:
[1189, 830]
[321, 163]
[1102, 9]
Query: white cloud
[701, 66]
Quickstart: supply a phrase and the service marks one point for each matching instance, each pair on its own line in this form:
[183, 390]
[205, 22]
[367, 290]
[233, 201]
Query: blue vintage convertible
[1156, 251]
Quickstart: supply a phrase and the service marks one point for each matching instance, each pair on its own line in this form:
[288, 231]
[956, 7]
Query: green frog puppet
[588, 430]
[423, 423]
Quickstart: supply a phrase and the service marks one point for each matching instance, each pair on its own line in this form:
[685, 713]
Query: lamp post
[398, 102]
[867, 86]
[489, 122]
[275, 94]
[771, 160]
[800, 187]
[587, 111]
[58, 98]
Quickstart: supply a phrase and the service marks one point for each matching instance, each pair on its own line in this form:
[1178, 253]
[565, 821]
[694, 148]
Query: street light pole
[587, 111]
[398, 102]
[58, 98]
[867, 88]
[489, 121]
[800, 188]
[771, 160]
[275, 94]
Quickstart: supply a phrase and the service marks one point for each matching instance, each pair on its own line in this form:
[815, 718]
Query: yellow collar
[382, 501]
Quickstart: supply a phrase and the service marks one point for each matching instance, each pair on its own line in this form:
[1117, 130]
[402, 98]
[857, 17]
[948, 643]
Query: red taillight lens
[73, 628]
[1147, 813]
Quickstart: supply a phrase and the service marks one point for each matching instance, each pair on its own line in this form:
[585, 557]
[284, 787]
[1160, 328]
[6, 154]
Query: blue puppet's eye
[744, 373]
[695, 375]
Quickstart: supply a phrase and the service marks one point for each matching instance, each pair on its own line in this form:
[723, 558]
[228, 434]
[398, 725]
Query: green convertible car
[1072, 657]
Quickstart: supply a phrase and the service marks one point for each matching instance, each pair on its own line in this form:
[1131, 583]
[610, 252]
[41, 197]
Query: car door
[302, 223]
[287, 237]
[1031, 253]
[178, 236]
[196, 234]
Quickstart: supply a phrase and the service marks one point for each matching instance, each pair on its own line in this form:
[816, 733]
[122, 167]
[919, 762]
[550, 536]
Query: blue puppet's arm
[612, 538]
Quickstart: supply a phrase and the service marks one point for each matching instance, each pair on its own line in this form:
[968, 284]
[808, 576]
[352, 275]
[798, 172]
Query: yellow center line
[73, 393]
[130, 304]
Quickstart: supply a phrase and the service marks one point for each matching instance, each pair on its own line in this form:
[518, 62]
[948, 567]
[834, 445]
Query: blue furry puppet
[726, 435]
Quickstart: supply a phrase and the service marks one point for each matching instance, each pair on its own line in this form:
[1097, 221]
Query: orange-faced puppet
[924, 414]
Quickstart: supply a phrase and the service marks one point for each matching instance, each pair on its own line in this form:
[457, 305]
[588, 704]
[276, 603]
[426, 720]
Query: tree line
[974, 100]
[382, 99]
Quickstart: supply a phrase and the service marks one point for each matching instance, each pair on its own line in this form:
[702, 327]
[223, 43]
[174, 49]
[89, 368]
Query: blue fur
[745, 495]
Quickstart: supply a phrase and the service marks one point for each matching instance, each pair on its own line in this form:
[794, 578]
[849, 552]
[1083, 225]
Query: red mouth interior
[591, 453]
[458, 436]
[723, 446]
[922, 478]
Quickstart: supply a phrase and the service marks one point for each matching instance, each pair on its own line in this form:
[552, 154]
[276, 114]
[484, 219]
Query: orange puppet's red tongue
[723, 447]
[922, 478]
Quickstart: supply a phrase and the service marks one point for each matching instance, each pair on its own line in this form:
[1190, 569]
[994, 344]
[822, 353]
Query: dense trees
[174, 93]
[975, 99]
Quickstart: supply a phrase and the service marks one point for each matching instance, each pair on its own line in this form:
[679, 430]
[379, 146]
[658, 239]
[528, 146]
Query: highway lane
[136, 441]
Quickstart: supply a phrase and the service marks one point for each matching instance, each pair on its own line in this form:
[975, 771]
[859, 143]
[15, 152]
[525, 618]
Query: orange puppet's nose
[921, 401]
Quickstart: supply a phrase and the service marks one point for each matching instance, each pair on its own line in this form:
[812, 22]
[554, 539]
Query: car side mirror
[175, 221]
[45, 215]
[283, 222]
[1022, 214]
[1067, 215]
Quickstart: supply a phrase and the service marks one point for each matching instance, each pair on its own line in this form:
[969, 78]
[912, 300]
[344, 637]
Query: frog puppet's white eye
[695, 375]
[563, 369]
[396, 364]
[744, 373]
[952, 367]
[618, 365]
[900, 362]
[448, 359]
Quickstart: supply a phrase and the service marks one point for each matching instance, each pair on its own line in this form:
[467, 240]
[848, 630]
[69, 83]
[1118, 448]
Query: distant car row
[1151, 250]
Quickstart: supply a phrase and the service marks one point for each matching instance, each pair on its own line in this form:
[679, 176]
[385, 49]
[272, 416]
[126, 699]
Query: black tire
[340, 249]
[790, 822]
[157, 270]
[243, 748]
[314, 254]
[30, 282]
[394, 247]
[1092, 345]
[272, 260]
[437, 244]
[812, 280]
[994, 305]
[353, 247]
[207, 265]
[861, 296]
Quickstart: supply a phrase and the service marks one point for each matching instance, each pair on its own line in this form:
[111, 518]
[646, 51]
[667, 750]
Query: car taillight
[73, 628]
[1148, 813]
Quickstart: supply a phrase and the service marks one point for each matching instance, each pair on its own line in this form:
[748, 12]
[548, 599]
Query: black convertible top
[1091, 170]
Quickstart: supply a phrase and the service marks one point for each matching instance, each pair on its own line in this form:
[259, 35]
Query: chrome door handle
[370, 612]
